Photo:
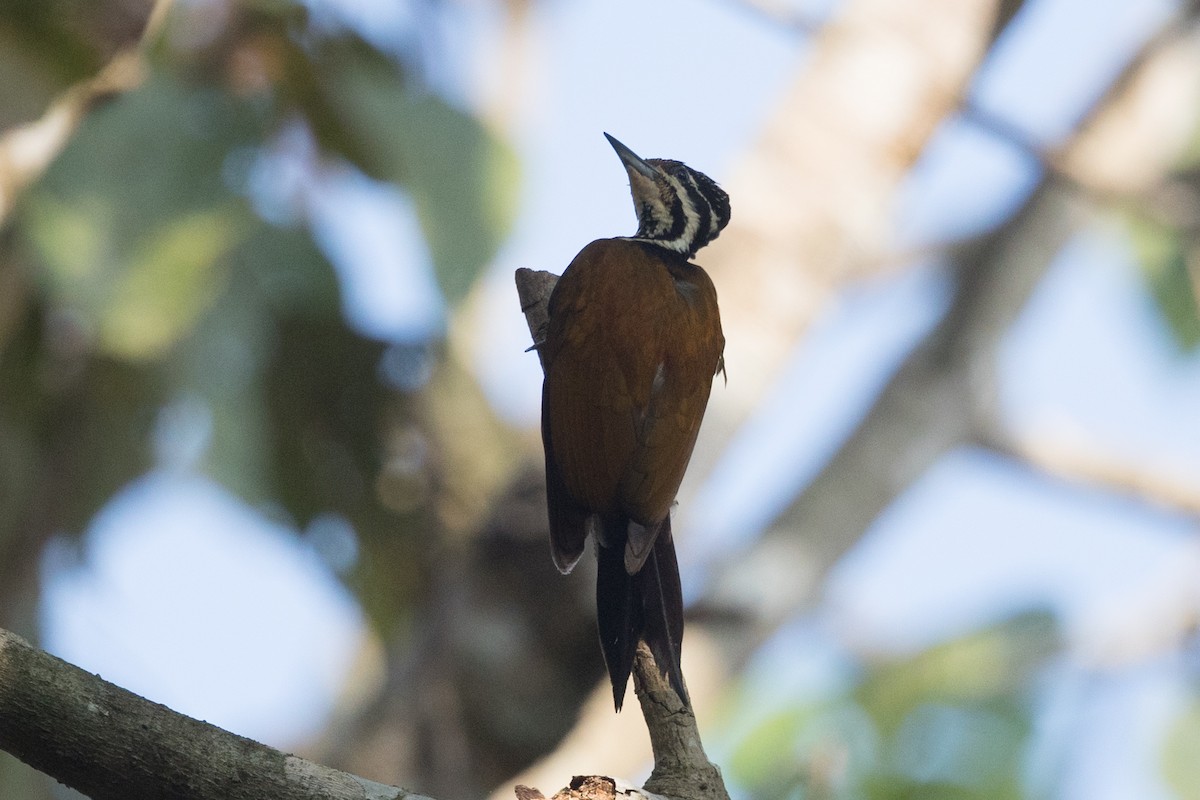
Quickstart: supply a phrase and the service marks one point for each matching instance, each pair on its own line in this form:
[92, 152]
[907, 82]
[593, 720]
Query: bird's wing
[691, 343]
[587, 403]
[630, 354]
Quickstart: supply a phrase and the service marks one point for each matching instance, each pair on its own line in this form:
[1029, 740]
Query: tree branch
[681, 768]
[111, 744]
[1078, 463]
[927, 408]
[27, 150]
[943, 395]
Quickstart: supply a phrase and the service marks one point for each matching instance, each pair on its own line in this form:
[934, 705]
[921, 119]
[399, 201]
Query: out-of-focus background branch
[263, 394]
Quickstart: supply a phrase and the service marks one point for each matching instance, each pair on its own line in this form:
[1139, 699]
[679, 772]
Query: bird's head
[677, 207]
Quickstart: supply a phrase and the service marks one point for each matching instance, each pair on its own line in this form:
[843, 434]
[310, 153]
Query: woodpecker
[631, 350]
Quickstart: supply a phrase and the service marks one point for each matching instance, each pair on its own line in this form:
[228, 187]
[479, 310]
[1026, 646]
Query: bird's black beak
[631, 160]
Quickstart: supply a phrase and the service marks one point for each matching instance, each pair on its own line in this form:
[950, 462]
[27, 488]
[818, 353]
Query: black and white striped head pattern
[677, 207]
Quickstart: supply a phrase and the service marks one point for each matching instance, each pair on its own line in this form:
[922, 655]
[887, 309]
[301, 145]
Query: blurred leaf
[289, 272]
[955, 718]
[1181, 767]
[143, 298]
[222, 364]
[769, 747]
[958, 751]
[807, 750]
[22, 407]
[156, 152]
[76, 427]
[27, 83]
[326, 409]
[463, 180]
[170, 279]
[275, 274]
[105, 429]
[50, 37]
[1171, 263]
[890, 788]
[984, 666]
[949, 722]
[133, 223]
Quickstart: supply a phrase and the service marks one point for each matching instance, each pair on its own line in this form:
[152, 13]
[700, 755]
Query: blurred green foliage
[165, 303]
[1170, 259]
[151, 281]
[949, 722]
[46, 45]
[132, 226]
[462, 180]
[1181, 767]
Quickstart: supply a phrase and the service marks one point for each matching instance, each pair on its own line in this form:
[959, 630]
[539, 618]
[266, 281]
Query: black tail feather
[646, 606]
[662, 604]
[618, 615]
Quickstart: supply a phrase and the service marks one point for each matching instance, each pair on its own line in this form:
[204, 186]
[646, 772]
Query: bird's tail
[645, 606]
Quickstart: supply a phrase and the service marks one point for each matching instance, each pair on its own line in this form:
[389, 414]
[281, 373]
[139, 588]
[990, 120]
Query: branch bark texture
[111, 744]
